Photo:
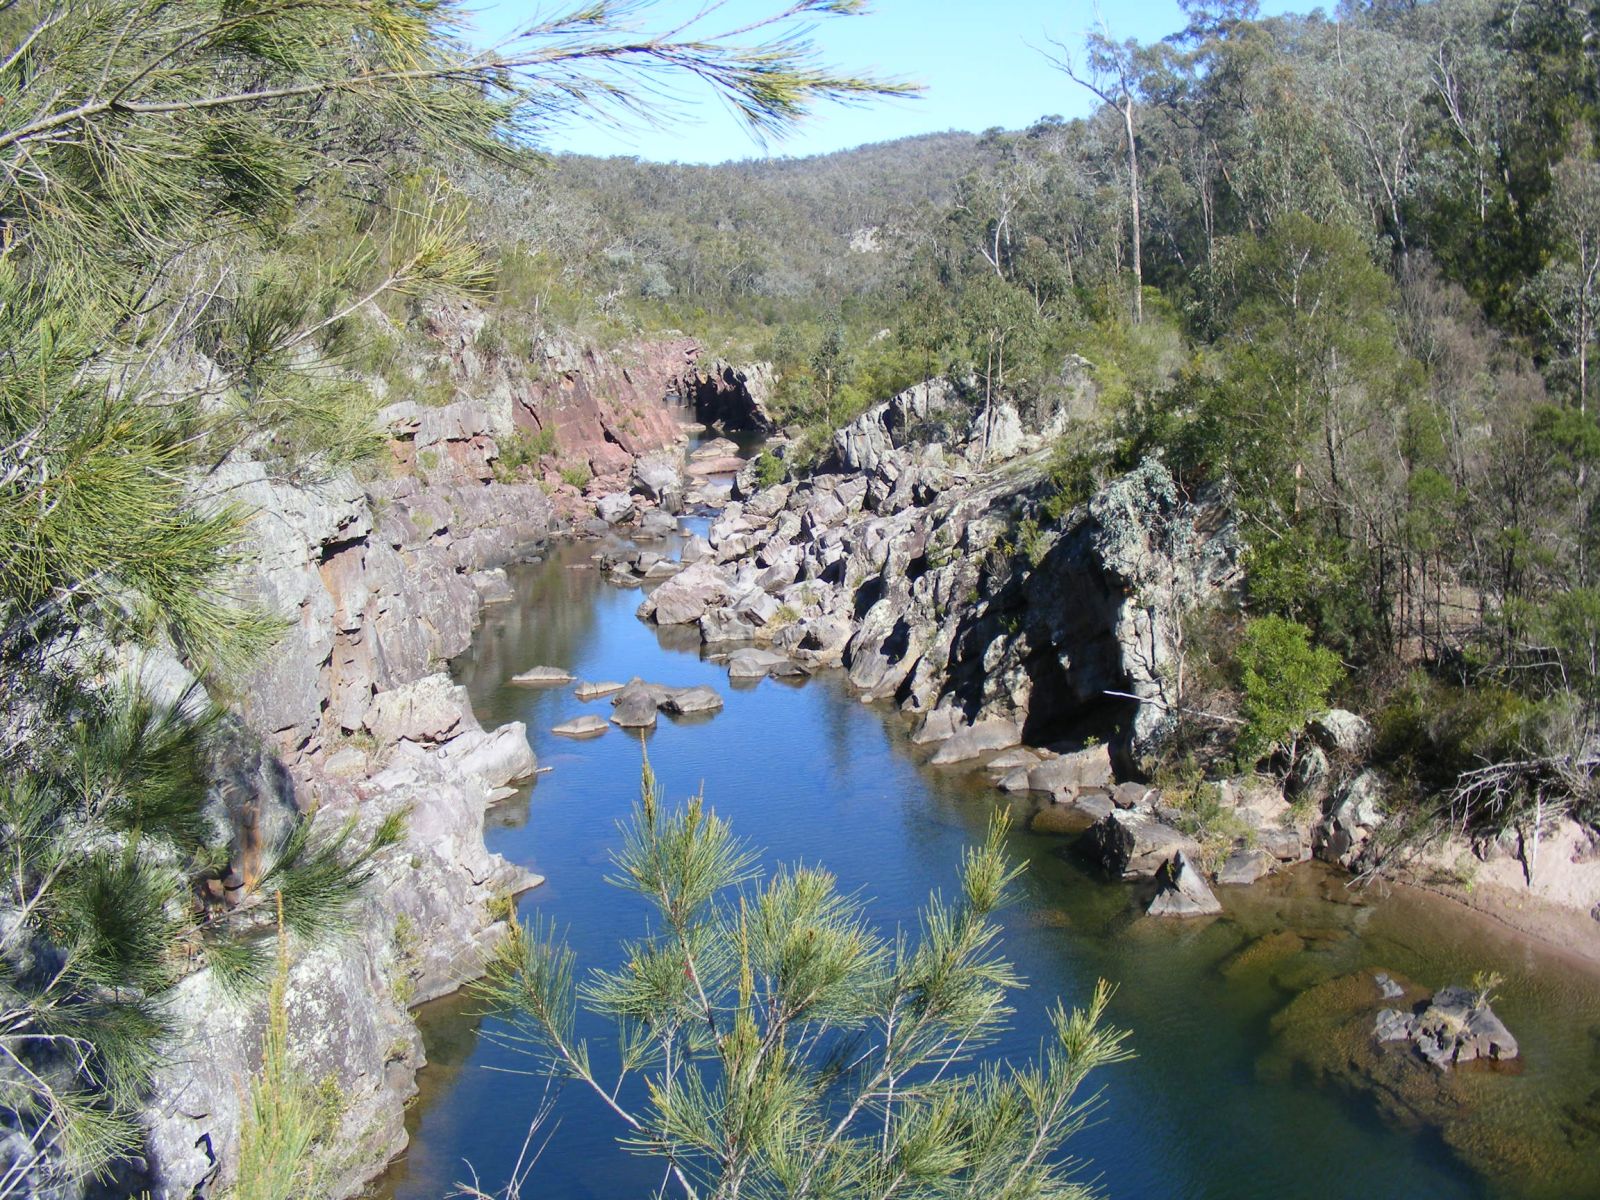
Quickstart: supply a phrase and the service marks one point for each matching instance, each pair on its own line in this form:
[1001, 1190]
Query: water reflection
[1210, 1108]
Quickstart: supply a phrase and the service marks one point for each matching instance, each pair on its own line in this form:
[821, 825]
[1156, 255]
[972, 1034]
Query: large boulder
[692, 700]
[430, 710]
[1066, 776]
[499, 758]
[985, 736]
[1183, 892]
[1339, 730]
[615, 509]
[634, 708]
[684, 599]
[657, 478]
[1133, 845]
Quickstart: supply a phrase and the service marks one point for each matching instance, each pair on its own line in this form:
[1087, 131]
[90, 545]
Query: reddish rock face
[611, 408]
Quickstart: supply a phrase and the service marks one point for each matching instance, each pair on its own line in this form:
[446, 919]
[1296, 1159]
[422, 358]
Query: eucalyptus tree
[1113, 71]
[770, 1042]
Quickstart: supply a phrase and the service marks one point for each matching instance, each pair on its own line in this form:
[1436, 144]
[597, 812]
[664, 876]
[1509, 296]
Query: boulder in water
[1183, 892]
[581, 727]
[542, 677]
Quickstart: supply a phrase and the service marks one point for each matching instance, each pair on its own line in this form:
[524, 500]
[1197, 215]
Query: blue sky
[972, 56]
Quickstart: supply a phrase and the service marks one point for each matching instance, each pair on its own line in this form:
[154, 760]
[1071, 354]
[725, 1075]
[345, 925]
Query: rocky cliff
[903, 562]
[602, 407]
[379, 583]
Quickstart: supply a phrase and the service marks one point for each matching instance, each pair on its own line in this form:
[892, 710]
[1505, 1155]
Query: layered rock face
[903, 564]
[604, 408]
[380, 583]
[349, 716]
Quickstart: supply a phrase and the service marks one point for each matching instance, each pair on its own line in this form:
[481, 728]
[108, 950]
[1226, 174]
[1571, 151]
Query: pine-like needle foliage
[106, 844]
[171, 298]
[787, 1049]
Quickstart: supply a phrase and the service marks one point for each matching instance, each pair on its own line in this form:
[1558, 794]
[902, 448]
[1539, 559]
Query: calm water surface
[809, 773]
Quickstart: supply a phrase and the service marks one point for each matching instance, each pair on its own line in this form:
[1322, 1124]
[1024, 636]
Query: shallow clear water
[1208, 1109]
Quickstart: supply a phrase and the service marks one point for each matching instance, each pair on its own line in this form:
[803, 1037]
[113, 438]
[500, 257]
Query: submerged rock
[1245, 867]
[542, 677]
[581, 727]
[1345, 1031]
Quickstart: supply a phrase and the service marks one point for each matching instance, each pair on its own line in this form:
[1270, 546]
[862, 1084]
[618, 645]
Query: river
[1215, 1105]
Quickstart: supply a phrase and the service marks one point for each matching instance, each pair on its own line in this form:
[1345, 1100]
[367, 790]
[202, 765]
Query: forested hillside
[1347, 270]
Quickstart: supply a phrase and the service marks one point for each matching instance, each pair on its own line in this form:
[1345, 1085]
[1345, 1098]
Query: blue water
[809, 773]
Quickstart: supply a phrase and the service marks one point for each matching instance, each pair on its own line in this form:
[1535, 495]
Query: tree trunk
[1133, 196]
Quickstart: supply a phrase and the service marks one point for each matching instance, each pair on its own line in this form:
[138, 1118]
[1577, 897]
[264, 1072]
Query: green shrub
[770, 470]
[1286, 683]
[577, 476]
[524, 448]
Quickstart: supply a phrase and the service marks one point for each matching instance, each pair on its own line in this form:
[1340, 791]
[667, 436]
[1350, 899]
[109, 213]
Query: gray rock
[1018, 758]
[1134, 795]
[691, 700]
[1094, 805]
[497, 758]
[754, 664]
[594, 691]
[634, 708]
[694, 550]
[1387, 987]
[1393, 1025]
[1359, 803]
[938, 725]
[1134, 845]
[615, 509]
[985, 736]
[430, 710]
[541, 677]
[1183, 892]
[493, 586]
[685, 597]
[1287, 844]
[658, 524]
[757, 608]
[656, 477]
[1339, 730]
[1244, 867]
[1455, 1028]
[1070, 773]
[581, 727]
[722, 625]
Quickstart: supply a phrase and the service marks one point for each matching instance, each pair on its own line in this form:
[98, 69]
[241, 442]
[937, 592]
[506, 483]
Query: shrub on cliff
[1286, 683]
[789, 1048]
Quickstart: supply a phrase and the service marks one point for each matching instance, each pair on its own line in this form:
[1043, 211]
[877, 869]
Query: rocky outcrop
[904, 562]
[423, 928]
[376, 584]
[349, 718]
[729, 397]
[1456, 1026]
